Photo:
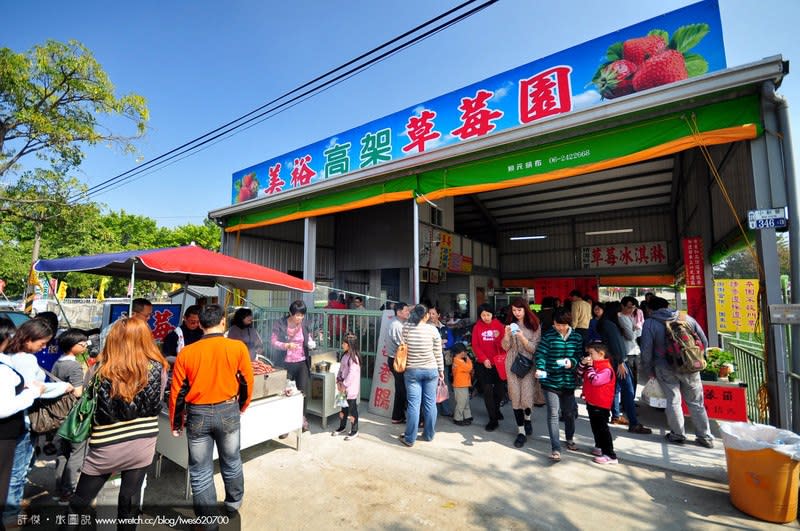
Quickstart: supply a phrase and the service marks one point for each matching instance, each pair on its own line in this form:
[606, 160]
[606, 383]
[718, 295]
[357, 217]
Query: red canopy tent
[189, 265]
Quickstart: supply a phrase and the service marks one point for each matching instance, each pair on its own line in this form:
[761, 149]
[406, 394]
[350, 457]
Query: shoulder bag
[401, 356]
[521, 366]
[47, 414]
[77, 426]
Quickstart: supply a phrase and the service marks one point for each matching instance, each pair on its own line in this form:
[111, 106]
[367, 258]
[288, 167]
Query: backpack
[684, 350]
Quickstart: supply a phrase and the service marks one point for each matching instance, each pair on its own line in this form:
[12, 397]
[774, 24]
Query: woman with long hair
[242, 329]
[348, 381]
[424, 370]
[32, 336]
[128, 381]
[522, 334]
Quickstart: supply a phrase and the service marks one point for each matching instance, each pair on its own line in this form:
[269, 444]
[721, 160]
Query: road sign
[785, 314]
[767, 218]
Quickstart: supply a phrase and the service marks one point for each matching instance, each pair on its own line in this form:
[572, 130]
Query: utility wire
[144, 172]
[228, 128]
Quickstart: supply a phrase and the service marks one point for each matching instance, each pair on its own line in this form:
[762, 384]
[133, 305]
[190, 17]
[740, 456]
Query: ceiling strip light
[513, 238]
[614, 231]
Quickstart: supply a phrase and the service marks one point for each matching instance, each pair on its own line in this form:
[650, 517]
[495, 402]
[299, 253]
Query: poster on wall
[736, 302]
[163, 320]
[694, 267]
[678, 45]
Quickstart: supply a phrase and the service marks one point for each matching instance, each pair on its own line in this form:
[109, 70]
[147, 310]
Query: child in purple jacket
[348, 381]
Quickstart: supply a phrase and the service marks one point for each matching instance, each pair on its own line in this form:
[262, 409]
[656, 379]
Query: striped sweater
[424, 347]
[553, 347]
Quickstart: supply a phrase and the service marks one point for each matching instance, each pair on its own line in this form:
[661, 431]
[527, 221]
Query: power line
[234, 126]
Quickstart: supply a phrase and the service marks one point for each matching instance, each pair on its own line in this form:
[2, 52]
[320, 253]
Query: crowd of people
[540, 359]
[204, 373]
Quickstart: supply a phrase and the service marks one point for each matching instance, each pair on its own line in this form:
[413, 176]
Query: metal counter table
[264, 419]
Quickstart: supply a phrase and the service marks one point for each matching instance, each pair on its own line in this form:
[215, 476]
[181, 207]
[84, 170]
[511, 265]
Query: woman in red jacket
[487, 336]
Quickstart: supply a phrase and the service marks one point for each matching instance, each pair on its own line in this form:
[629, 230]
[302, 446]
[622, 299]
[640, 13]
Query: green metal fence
[749, 361]
[328, 327]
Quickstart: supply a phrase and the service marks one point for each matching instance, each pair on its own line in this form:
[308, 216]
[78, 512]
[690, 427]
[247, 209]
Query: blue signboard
[163, 320]
[678, 45]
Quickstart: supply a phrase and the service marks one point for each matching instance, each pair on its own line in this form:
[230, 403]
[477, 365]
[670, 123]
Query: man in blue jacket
[674, 383]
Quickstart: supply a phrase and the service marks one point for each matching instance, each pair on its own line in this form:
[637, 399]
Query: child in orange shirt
[462, 379]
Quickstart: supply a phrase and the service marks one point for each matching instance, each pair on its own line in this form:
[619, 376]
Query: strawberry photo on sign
[650, 61]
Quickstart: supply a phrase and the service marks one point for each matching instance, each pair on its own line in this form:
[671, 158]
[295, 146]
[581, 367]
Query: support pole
[415, 266]
[310, 257]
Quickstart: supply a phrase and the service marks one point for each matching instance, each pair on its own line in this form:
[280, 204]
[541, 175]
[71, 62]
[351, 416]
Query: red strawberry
[641, 49]
[615, 79]
[666, 67]
[244, 194]
[247, 180]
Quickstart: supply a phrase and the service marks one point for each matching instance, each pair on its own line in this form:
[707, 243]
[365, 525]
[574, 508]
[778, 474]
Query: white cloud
[503, 91]
[587, 99]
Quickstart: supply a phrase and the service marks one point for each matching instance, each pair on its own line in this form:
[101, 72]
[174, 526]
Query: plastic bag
[341, 400]
[442, 393]
[746, 436]
[653, 395]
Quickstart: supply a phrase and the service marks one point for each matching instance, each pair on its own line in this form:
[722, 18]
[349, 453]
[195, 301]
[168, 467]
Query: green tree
[52, 99]
[206, 235]
[740, 264]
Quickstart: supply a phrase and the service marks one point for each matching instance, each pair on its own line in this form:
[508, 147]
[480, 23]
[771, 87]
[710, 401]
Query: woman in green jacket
[557, 357]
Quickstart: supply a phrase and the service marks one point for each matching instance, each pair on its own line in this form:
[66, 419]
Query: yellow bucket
[763, 483]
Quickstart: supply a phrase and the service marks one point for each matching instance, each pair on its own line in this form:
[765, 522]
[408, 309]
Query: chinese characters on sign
[382, 392]
[539, 90]
[723, 402]
[736, 302]
[693, 262]
[624, 255]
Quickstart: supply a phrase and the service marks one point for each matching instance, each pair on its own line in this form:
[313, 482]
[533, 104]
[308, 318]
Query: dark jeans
[633, 365]
[128, 501]
[298, 371]
[207, 425]
[493, 390]
[626, 392]
[598, 419]
[400, 397]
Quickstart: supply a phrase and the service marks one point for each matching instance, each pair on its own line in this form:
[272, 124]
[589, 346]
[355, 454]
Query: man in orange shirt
[207, 393]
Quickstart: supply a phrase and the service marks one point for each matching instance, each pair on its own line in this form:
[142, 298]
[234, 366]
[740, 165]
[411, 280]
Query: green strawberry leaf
[696, 65]
[686, 37]
[237, 185]
[614, 53]
[661, 33]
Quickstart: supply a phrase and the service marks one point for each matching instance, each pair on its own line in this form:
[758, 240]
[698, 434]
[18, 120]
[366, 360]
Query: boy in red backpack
[599, 384]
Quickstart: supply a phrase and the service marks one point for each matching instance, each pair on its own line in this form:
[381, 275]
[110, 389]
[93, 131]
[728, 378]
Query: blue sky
[203, 63]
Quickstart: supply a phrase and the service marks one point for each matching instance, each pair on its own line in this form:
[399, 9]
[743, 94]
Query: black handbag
[521, 366]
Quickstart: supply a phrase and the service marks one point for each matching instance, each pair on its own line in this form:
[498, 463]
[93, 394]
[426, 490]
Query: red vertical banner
[694, 267]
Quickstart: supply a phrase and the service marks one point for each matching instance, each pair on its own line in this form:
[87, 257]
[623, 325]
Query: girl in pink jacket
[348, 381]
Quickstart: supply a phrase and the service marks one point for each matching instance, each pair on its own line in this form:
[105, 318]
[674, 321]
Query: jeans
[421, 390]
[68, 465]
[565, 399]
[23, 452]
[207, 425]
[627, 392]
[689, 385]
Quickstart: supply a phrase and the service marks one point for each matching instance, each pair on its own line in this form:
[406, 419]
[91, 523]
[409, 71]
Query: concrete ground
[467, 478]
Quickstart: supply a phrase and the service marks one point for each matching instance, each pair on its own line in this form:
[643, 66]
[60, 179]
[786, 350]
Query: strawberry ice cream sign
[678, 45]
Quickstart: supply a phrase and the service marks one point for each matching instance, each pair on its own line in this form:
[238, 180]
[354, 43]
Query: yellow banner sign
[737, 304]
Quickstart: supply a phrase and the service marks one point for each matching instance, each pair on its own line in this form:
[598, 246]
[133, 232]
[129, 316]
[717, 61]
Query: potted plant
[719, 364]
